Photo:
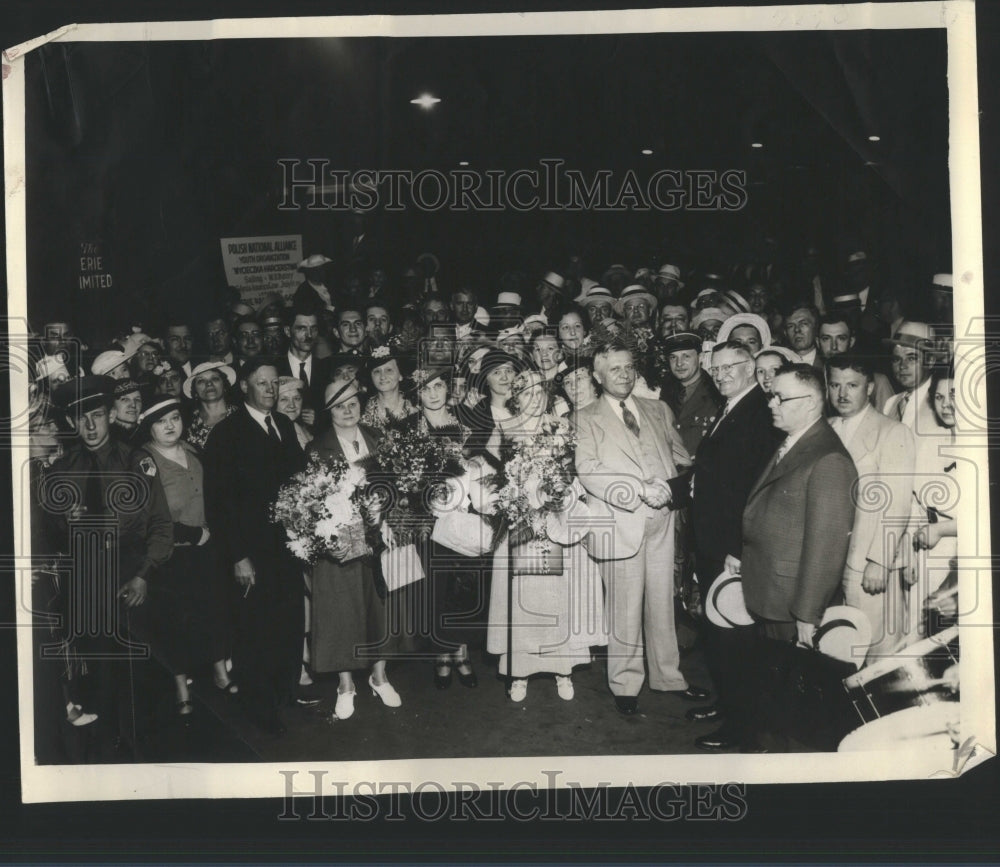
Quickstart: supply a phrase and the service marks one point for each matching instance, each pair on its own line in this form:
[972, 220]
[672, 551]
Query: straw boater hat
[738, 319]
[160, 405]
[205, 367]
[311, 262]
[670, 272]
[724, 605]
[596, 293]
[845, 633]
[706, 314]
[632, 293]
[918, 335]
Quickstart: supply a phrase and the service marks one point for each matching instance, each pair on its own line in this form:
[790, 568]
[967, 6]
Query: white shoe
[75, 715]
[564, 685]
[518, 690]
[386, 692]
[345, 705]
[304, 678]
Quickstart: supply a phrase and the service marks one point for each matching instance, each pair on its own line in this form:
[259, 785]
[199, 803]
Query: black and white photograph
[577, 398]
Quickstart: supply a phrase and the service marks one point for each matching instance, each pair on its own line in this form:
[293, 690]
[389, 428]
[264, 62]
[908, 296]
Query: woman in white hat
[555, 618]
[207, 386]
[349, 618]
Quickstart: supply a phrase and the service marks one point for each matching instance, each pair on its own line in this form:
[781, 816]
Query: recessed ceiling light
[647, 152]
[463, 162]
[874, 138]
[425, 101]
[756, 144]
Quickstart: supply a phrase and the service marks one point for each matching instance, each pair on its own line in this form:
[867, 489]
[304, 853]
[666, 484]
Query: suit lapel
[620, 438]
[796, 456]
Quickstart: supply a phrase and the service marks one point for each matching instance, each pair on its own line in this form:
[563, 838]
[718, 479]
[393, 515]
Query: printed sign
[258, 266]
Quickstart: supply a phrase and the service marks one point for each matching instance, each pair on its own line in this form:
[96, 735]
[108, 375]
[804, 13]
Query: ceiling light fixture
[647, 152]
[463, 162]
[425, 101]
[874, 138]
[756, 144]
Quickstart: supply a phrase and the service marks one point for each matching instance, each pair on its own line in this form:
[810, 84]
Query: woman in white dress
[555, 618]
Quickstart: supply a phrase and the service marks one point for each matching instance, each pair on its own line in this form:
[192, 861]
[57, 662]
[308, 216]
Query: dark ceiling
[160, 149]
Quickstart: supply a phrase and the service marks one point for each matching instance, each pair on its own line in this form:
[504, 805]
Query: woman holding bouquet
[497, 370]
[349, 621]
[388, 403]
[451, 591]
[557, 611]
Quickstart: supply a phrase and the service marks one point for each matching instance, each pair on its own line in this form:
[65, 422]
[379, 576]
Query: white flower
[299, 548]
[380, 352]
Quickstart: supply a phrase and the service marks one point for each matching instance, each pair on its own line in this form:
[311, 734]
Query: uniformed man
[118, 530]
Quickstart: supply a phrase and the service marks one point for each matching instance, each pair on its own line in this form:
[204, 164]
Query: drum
[927, 728]
[914, 677]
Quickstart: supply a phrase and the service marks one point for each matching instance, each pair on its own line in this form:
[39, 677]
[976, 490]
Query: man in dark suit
[301, 362]
[799, 516]
[728, 462]
[248, 457]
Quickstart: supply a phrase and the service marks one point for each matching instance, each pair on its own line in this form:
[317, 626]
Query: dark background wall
[157, 150]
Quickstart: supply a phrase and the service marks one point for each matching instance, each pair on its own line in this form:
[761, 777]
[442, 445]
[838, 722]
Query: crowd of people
[776, 428]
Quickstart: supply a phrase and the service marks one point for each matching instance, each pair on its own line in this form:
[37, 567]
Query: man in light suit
[799, 515]
[627, 449]
[882, 451]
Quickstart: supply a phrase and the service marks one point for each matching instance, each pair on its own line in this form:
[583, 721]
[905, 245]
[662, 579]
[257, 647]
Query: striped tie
[629, 419]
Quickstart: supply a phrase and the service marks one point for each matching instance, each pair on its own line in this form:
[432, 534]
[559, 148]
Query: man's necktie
[629, 419]
[272, 431]
[901, 406]
[302, 373]
[782, 451]
[93, 492]
[722, 415]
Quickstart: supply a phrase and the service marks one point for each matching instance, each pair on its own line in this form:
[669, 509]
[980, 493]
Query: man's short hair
[349, 309]
[735, 346]
[835, 317]
[808, 306]
[464, 290]
[254, 364]
[601, 355]
[807, 375]
[849, 361]
[301, 308]
[243, 320]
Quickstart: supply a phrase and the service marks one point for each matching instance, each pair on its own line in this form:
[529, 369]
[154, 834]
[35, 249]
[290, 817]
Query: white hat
[316, 260]
[108, 361]
[596, 293]
[205, 367]
[632, 292]
[51, 366]
[845, 633]
[482, 317]
[943, 281]
[133, 342]
[857, 256]
[511, 299]
[705, 314]
[790, 355]
[724, 605]
[752, 319]
[670, 272]
[557, 281]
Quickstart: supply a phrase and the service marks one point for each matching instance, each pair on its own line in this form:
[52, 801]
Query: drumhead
[927, 728]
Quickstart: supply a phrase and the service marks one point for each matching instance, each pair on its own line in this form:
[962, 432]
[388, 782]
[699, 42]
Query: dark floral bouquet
[419, 460]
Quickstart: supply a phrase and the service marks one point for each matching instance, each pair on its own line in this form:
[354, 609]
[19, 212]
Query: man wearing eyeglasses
[729, 460]
[799, 515]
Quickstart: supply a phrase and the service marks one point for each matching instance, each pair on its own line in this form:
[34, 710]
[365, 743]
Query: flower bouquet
[323, 508]
[537, 476]
[420, 460]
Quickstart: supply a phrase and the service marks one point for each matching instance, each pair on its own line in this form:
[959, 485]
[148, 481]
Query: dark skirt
[349, 622]
[456, 598]
[188, 606]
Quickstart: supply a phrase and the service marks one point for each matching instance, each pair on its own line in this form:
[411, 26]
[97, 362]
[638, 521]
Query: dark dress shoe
[692, 693]
[442, 681]
[627, 704]
[704, 714]
[470, 681]
[718, 742]
[307, 698]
